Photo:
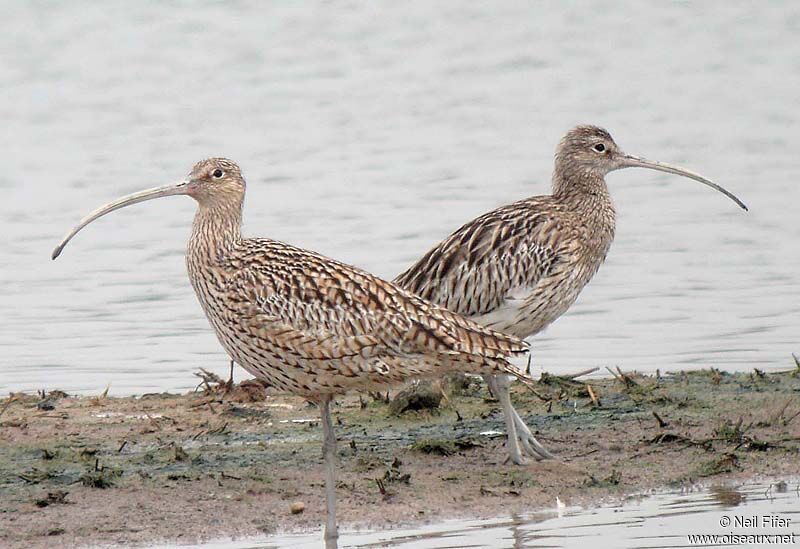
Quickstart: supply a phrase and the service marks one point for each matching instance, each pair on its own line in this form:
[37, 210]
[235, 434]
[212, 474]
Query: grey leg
[532, 446]
[499, 386]
[496, 386]
[329, 454]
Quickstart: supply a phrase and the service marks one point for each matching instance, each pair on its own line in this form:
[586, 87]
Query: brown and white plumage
[506, 268]
[311, 325]
[518, 268]
[306, 323]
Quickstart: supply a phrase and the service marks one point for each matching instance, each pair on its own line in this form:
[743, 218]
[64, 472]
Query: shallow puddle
[661, 520]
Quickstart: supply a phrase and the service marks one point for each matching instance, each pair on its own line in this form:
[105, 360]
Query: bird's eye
[599, 148]
[216, 174]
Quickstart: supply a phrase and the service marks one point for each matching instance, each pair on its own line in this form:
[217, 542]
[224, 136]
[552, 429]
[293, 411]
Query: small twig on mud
[581, 373]
[659, 448]
[223, 474]
[615, 375]
[98, 400]
[207, 378]
[627, 379]
[788, 420]
[779, 414]
[664, 438]
[661, 423]
[538, 394]
[121, 446]
[215, 431]
[203, 402]
[589, 453]
[593, 396]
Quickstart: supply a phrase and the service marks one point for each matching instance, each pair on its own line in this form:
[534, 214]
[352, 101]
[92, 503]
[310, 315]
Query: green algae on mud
[188, 467]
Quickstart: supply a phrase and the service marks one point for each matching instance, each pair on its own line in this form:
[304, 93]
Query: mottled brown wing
[323, 307]
[476, 268]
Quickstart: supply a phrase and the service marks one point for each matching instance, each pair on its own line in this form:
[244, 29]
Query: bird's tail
[523, 377]
[476, 364]
[476, 339]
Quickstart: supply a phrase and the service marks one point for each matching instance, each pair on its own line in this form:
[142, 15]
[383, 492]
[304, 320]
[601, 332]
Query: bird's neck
[216, 231]
[586, 195]
[582, 190]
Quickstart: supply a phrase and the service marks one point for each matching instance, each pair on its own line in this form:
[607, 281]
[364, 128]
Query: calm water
[663, 521]
[369, 132]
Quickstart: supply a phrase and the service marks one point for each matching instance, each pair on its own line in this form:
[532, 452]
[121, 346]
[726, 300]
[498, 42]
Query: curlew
[308, 324]
[518, 268]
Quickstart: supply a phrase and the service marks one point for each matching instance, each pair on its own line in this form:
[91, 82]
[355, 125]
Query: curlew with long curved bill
[308, 324]
[518, 268]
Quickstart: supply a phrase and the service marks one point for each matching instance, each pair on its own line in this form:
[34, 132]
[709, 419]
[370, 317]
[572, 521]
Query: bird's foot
[534, 448]
[516, 453]
[528, 442]
[517, 460]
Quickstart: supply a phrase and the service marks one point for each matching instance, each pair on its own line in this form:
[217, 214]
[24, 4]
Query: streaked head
[215, 181]
[587, 149]
[590, 151]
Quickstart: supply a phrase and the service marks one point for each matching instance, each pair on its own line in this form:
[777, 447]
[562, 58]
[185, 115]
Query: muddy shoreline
[232, 461]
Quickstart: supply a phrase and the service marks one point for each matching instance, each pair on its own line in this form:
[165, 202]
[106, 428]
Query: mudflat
[234, 460]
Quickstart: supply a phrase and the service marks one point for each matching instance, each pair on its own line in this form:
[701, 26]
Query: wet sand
[216, 463]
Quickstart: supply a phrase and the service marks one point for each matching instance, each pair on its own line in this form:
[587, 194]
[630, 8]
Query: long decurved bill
[630, 161]
[135, 198]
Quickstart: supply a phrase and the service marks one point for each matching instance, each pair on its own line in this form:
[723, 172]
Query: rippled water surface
[662, 521]
[368, 132]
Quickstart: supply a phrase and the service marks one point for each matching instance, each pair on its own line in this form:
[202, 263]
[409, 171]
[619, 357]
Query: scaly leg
[532, 446]
[329, 454]
[519, 434]
[514, 452]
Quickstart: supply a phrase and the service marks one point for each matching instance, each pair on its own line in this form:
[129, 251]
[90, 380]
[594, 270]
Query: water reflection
[660, 521]
[728, 496]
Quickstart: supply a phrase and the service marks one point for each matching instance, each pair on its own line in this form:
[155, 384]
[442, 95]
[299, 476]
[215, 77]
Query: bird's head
[588, 149]
[588, 153]
[215, 180]
[212, 182]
